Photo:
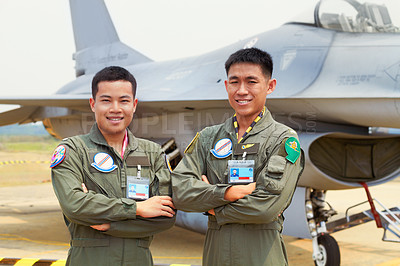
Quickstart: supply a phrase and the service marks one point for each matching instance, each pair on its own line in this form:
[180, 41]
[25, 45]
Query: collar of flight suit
[265, 122]
[98, 138]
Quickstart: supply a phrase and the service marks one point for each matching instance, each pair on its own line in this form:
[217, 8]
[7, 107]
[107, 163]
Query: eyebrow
[248, 77]
[121, 97]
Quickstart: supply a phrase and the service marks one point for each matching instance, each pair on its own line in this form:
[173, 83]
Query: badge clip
[139, 169]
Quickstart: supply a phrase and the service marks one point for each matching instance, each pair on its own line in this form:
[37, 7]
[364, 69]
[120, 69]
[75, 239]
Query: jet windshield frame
[369, 16]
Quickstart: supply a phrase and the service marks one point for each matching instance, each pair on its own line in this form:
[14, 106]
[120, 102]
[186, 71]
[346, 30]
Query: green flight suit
[128, 239]
[247, 231]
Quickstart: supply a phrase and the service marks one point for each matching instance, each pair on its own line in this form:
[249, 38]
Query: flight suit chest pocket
[103, 174]
[141, 180]
[217, 170]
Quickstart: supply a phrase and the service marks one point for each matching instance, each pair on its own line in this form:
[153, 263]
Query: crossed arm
[153, 215]
[120, 216]
[153, 207]
[233, 193]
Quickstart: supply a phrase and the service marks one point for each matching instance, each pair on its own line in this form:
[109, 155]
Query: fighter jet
[338, 72]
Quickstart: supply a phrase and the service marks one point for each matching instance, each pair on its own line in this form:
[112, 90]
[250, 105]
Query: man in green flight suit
[114, 189]
[243, 173]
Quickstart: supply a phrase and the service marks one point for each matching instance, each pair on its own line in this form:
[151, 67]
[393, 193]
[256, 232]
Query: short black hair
[251, 55]
[112, 73]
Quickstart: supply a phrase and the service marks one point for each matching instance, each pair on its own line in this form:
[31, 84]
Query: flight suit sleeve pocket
[275, 172]
[276, 166]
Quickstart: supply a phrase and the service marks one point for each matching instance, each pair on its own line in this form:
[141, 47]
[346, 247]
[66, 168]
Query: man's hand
[205, 179]
[236, 192]
[85, 190]
[155, 206]
[101, 227]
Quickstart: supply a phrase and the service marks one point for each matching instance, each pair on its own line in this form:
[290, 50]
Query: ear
[92, 102]
[271, 86]
[135, 102]
[226, 85]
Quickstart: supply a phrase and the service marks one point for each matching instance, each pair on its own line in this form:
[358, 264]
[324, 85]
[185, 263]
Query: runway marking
[16, 237]
[39, 254]
[180, 258]
[26, 262]
[11, 220]
[23, 162]
[394, 262]
[46, 262]
[31, 262]
[59, 263]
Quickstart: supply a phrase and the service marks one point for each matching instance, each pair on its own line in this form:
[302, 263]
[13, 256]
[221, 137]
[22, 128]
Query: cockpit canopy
[356, 16]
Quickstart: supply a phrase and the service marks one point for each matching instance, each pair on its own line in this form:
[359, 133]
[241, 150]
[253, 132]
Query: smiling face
[114, 107]
[247, 89]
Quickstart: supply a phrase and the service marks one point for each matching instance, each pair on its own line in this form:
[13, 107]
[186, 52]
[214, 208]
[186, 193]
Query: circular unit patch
[103, 162]
[222, 149]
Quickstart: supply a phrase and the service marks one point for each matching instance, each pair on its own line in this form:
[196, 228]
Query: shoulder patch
[292, 147]
[190, 147]
[58, 156]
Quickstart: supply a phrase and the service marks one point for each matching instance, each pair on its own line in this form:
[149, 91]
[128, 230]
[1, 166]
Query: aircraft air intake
[342, 160]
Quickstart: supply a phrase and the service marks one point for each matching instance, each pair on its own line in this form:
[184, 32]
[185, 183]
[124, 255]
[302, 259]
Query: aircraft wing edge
[20, 115]
[53, 100]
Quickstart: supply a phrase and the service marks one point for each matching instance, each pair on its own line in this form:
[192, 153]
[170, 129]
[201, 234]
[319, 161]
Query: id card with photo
[137, 188]
[241, 171]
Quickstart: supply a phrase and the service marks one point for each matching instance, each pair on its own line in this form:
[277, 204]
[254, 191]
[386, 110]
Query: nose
[115, 108]
[242, 90]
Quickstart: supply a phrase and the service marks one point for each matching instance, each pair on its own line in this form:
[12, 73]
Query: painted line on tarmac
[23, 162]
[394, 262]
[20, 238]
[41, 254]
[31, 262]
[45, 262]
[179, 258]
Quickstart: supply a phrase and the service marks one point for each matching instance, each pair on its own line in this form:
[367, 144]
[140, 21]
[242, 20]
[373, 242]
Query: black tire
[330, 250]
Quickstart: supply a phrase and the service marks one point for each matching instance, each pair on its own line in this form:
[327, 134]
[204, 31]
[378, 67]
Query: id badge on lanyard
[241, 171]
[138, 187]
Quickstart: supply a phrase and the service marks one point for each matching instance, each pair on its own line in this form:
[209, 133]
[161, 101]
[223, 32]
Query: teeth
[243, 101]
[115, 119]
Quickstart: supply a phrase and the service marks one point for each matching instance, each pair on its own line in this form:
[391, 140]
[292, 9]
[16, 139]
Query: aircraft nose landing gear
[328, 252]
[325, 248]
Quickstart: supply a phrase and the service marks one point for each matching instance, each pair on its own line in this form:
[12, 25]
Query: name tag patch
[249, 148]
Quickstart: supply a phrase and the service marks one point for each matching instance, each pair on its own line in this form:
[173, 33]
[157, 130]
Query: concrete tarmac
[31, 226]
